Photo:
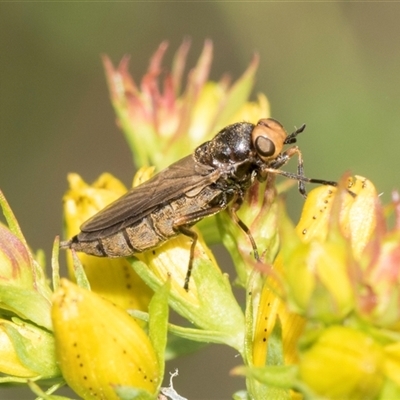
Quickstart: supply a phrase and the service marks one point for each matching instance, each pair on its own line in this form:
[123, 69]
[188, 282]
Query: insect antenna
[292, 137]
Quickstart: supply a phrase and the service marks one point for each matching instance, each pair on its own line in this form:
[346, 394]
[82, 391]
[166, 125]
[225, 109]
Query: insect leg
[284, 158]
[193, 235]
[300, 168]
[233, 209]
[181, 226]
[301, 178]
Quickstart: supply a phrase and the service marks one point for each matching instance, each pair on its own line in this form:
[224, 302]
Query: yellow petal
[392, 362]
[82, 200]
[271, 308]
[253, 111]
[171, 261]
[357, 213]
[314, 218]
[358, 220]
[112, 278]
[115, 280]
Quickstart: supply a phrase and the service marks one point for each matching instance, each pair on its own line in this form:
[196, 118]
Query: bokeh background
[334, 66]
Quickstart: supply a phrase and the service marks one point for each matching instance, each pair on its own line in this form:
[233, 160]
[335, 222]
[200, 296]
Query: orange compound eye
[268, 138]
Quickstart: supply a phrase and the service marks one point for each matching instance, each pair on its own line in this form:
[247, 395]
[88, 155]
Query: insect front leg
[283, 159]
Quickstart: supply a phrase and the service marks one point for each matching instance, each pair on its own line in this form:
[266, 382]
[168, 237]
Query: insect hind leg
[181, 225]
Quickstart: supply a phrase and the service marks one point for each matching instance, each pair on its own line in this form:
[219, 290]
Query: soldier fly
[215, 176]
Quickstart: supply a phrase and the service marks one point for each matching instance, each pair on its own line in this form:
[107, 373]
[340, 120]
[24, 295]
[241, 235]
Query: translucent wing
[179, 178]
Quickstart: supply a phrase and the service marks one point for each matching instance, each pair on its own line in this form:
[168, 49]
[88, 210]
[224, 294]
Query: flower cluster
[321, 316]
[332, 297]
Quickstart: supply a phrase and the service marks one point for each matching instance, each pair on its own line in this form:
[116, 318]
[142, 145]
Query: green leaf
[158, 324]
[199, 335]
[275, 346]
[176, 346]
[80, 275]
[277, 380]
[55, 266]
[179, 346]
[27, 304]
[253, 294]
[389, 391]
[217, 311]
[262, 390]
[11, 220]
[36, 351]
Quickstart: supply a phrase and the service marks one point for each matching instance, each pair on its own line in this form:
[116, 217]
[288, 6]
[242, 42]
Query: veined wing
[179, 178]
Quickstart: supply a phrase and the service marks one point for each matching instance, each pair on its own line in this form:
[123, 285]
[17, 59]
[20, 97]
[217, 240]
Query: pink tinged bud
[162, 118]
[15, 261]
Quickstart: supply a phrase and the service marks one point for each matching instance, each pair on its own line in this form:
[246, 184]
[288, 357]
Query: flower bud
[24, 289]
[99, 346]
[15, 261]
[343, 363]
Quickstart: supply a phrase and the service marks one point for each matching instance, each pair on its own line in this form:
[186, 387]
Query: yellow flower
[99, 346]
[360, 268]
[322, 260]
[112, 278]
[340, 266]
[312, 273]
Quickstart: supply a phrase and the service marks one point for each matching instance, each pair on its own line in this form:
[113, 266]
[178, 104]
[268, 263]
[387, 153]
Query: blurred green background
[334, 66]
